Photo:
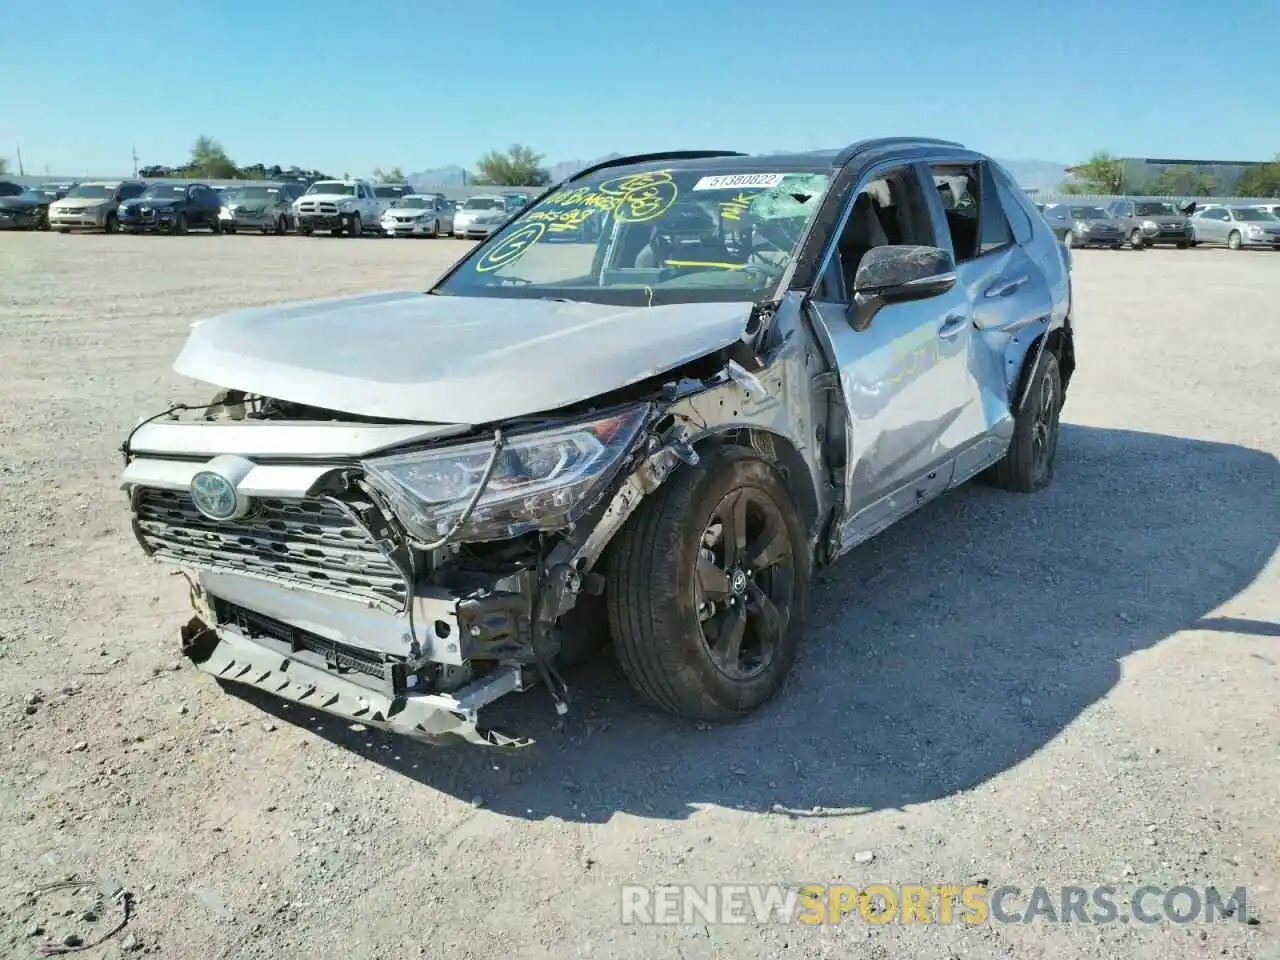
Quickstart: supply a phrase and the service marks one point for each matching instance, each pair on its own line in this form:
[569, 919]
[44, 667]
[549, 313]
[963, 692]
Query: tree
[1101, 174]
[389, 176]
[1262, 180]
[518, 167]
[1182, 182]
[208, 159]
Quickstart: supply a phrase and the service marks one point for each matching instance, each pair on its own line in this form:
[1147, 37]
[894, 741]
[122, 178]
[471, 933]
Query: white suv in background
[337, 206]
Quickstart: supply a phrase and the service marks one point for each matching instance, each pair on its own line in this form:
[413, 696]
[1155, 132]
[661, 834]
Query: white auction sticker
[740, 181]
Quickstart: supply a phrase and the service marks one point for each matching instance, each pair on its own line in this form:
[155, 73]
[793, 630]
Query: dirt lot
[1080, 687]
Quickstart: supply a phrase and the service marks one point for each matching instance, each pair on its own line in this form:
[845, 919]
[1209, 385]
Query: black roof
[812, 161]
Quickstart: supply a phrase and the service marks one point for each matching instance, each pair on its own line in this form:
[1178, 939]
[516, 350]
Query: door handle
[952, 325]
[1006, 287]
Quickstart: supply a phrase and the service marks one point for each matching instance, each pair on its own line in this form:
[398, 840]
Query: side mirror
[895, 274]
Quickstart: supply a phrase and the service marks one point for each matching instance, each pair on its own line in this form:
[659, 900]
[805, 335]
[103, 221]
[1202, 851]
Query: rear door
[1008, 296]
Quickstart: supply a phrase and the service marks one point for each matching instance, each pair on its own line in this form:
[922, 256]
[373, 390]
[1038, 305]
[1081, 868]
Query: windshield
[390, 193]
[1088, 213]
[483, 203]
[333, 187]
[10, 189]
[91, 191]
[1154, 210]
[412, 203]
[164, 191]
[645, 239]
[1249, 213]
[251, 195]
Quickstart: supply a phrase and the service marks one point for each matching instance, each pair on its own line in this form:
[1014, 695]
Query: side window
[889, 209]
[994, 231]
[957, 186]
[1218, 214]
[1015, 212]
[131, 190]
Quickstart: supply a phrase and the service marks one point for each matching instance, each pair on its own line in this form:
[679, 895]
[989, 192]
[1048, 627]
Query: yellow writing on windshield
[634, 198]
[511, 247]
[735, 208]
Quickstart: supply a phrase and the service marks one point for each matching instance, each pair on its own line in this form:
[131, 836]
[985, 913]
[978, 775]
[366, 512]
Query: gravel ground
[1080, 687]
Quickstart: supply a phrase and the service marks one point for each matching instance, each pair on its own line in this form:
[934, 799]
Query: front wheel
[1233, 241]
[282, 226]
[180, 224]
[357, 226]
[1135, 239]
[111, 224]
[1028, 466]
[216, 227]
[1183, 245]
[707, 587]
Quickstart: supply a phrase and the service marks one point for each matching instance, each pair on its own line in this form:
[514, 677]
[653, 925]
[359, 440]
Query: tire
[1117, 246]
[304, 231]
[216, 227]
[282, 225]
[64, 229]
[667, 565]
[1135, 239]
[1233, 240]
[435, 229]
[179, 227]
[111, 224]
[357, 226]
[1183, 245]
[229, 228]
[1028, 466]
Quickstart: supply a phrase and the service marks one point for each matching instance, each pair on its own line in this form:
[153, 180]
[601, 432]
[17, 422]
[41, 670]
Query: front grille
[308, 543]
[324, 209]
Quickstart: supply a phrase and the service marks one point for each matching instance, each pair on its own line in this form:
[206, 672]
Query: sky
[347, 87]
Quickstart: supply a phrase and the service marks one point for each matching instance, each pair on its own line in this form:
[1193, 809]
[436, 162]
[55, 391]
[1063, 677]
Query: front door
[904, 378]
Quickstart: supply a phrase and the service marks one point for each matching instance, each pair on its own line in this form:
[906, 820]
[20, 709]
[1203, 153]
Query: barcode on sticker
[740, 181]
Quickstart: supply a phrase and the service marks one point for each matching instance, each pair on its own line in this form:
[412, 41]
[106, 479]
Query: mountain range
[1042, 175]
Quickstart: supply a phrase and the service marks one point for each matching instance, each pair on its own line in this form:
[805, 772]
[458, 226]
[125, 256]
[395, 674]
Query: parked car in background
[389, 193]
[55, 191]
[266, 208]
[1271, 208]
[22, 208]
[172, 208]
[480, 216]
[1236, 227]
[338, 206]
[418, 216]
[93, 205]
[1084, 225]
[1150, 223]
[398, 524]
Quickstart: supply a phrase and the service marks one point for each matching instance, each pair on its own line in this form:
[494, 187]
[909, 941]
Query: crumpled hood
[21, 203]
[407, 355]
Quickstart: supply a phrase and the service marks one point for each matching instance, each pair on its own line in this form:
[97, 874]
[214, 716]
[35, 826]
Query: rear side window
[1014, 211]
[993, 230]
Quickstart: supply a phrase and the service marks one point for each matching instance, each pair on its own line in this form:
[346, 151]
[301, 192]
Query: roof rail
[863, 146]
[648, 157]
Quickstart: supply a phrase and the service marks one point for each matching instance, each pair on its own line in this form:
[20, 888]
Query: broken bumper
[436, 718]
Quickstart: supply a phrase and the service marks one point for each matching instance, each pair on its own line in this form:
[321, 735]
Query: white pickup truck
[338, 206]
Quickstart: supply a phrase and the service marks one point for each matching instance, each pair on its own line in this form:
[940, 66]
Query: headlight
[540, 481]
[1080, 226]
[345, 205]
[1149, 226]
[1256, 231]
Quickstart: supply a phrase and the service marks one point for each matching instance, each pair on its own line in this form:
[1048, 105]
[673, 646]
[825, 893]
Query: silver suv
[1149, 223]
[401, 506]
[93, 205]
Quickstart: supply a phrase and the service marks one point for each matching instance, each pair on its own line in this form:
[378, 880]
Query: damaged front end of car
[405, 575]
